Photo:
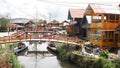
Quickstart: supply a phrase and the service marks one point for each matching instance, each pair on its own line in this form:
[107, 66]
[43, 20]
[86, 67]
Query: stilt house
[104, 21]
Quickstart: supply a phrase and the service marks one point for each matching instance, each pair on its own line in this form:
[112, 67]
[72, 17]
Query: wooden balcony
[109, 25]
[100, 43]
[96, 25]
[105, 26]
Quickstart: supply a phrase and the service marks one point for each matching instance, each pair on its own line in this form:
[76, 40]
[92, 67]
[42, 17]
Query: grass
[14, 61]
[6, 53]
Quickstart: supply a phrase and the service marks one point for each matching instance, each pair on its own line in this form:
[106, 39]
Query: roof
[20, 20]
[101, 8]
[77, 13]
[12, 25]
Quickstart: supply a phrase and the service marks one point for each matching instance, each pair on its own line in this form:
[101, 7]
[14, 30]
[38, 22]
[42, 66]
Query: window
[96, 19]
[112, 18]
[108, 36]
[96, 35]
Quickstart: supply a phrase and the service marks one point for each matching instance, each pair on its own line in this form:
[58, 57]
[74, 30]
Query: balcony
[109, 25]
[96, 25]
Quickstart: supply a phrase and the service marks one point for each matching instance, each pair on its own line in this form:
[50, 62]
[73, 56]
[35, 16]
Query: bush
[63, 53]
[104, 63]
[14, 61]
[117, 63]
[103, 53]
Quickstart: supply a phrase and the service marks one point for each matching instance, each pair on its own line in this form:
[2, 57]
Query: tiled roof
[107, 9]
[12, 25]
[77, 13]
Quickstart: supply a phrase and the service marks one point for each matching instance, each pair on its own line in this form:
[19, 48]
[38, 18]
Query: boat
[52, 48]
[21, 46]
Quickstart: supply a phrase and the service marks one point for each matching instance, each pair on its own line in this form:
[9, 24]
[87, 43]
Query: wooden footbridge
[17, 37]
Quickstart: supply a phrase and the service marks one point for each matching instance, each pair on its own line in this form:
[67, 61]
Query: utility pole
[36, 18]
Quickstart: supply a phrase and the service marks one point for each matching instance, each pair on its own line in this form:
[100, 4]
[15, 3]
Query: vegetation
[104, 63]
[117, 63]
[14, 61]
[3, 24]
[90, 62]
[63, 51]
[8, 56]
[86, 61]
[104, 53]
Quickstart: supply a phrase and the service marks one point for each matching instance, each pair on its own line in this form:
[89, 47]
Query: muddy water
[40, 60]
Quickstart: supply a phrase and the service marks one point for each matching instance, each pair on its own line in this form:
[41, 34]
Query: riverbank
[86, 61]
[7, 57]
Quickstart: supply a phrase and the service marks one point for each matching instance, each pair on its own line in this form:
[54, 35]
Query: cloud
[44, 9]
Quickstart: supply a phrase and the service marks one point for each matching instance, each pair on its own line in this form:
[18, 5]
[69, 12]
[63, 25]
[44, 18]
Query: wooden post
[102, 21]
[30, 37]
[26, 35]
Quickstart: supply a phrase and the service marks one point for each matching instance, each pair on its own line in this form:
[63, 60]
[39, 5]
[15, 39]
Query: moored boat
[52, 48]
[20, 47]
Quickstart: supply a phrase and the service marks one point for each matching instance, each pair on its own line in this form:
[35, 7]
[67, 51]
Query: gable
[76, 13]
[101, 8]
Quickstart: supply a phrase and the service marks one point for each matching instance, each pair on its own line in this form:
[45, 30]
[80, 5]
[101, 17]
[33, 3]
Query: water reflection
[40, 60]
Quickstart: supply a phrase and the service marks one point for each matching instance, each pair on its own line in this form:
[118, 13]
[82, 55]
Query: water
[38, 60]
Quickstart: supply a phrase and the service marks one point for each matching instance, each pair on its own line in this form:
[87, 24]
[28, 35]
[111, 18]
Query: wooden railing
[13, 38]
[104, 26]
[109, 25]
[96, 25]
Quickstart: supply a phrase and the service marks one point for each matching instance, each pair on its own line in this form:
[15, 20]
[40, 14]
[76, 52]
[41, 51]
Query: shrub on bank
[8, 55]
[104, 54]
[63, 52]
[84, 61]
[90, 62]
[104, 63]
[14, 61]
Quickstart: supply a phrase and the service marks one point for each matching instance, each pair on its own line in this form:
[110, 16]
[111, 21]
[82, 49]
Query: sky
[45, 9]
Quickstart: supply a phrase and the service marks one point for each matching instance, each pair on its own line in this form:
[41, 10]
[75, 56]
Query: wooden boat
[52, 49]
[20, 47]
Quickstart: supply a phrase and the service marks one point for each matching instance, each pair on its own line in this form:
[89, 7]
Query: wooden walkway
[48, 38]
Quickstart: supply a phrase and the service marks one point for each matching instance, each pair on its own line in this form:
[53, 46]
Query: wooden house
[104, 20]
[53, 23]
[22, 23]
[77, 21]
[12, 26]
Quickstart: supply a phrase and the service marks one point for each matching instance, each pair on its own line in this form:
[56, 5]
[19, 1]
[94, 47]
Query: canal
[33, 58]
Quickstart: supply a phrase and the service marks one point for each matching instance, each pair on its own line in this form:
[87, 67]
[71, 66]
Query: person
[19, 46]
[96, 51]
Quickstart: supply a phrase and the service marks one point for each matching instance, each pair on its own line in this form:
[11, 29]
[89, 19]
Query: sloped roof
[12, 25]
[101, 8]
[77, 13]
[20, 20]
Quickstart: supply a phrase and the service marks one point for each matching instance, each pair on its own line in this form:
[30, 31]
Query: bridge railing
[21, 35]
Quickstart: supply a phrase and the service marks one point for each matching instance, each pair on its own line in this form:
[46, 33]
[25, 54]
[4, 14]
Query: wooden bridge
[55, 38]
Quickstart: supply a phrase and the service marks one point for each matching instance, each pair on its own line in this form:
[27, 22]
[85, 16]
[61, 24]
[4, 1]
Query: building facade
[104, 21]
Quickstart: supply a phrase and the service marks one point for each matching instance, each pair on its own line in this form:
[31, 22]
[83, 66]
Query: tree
[3, 24]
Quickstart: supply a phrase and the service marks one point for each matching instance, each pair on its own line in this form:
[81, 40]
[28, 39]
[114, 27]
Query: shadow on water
[36, 59]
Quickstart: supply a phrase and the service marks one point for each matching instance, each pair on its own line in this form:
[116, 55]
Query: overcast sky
[44, 9]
